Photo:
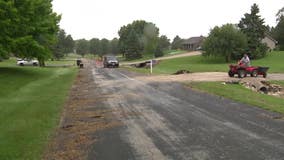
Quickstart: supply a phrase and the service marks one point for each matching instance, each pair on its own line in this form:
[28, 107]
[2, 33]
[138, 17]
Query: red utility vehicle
[242, 71]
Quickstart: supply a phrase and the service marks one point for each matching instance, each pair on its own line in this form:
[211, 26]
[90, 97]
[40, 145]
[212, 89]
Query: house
[193, 43]
[269, 41]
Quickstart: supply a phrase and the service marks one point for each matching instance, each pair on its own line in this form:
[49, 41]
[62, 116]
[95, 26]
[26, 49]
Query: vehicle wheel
[241, 73]
[35, 64]
[21, 64]
[254, 73]
[264, 75]
[231, 74]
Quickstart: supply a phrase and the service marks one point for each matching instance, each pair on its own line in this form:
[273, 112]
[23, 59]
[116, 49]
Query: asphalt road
[166, 120]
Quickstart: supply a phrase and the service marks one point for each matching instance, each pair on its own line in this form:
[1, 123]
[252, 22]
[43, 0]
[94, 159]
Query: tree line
[29, 29]
[232, 41]
[135, 40]
[97, 46]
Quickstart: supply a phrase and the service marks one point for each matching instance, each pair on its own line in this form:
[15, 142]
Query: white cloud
[186, 18]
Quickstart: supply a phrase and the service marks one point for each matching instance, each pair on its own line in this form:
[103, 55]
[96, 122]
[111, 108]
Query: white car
[26, 62]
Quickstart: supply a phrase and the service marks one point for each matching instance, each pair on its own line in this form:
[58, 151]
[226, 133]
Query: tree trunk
[228, 58]
[41, 62]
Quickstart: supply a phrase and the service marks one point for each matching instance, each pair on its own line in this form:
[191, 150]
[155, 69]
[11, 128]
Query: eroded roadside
[81, 118]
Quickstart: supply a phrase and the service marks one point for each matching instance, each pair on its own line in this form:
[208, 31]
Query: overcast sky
[186, 18]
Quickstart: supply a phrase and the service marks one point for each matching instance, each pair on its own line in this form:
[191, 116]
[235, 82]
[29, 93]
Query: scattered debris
[145, 64]
[80, 121]
[259, 85]
[67, 126]
[183, 71]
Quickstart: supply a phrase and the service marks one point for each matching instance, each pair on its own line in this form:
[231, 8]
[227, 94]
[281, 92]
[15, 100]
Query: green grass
[145, 57]
[31, 99]
[174, 52]
[273, 60]
[239, 93]
[61, 62]
[150, 56]
[193, 64]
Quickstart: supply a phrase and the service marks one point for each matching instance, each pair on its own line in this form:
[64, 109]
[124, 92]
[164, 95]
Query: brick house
[193, 43]
[269, 41]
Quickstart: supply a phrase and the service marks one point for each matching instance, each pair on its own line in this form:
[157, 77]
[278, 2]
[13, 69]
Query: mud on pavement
[81, 118]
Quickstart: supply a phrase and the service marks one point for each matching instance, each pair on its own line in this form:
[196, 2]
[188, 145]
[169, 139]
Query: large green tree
[82, 47]
[95, 46]
[150, 38]
[143, 35]
[226, 41]
[177, 43]
[64, 45]
[105, 46]
[114, 46]
[8, 16]
[278, 32]
[253, 26]
[35, 29]
[163, 45]
[69, 44]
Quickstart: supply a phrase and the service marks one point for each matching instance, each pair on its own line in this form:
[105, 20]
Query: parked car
[110, 61]
[27, 62]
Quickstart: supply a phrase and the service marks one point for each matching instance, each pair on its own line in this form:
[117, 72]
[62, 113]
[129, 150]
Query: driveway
[114, 115]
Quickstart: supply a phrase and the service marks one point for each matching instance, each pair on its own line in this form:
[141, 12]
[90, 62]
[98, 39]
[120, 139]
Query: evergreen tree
[278, 33]
[114, 46]
[64, 45]
[163, 44]
[177, 43]
[253, 26]
[82, 47]
[105, 47]
[95, 46]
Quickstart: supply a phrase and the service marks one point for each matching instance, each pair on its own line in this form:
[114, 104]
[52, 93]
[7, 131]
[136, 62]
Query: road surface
[167, 121]
[112, 114]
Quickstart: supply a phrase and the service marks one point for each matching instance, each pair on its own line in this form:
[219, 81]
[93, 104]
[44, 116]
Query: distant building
[193, 43]
[269, 41]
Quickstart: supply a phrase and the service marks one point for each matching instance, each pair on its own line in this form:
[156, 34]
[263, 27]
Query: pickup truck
[110, 61]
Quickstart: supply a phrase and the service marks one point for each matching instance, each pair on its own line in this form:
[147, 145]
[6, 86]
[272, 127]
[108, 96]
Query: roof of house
[270, 37]
[193, 40]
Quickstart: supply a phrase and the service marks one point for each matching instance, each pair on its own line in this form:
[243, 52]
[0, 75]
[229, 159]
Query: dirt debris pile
[260, 85]
[183, 71]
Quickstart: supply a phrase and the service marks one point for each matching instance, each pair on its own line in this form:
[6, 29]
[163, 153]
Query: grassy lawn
[150, 56]
[61, 62]
[174, 52]
[193, 64]
[31, 99]
[273, 60]
[241, 94]
[145, 57]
